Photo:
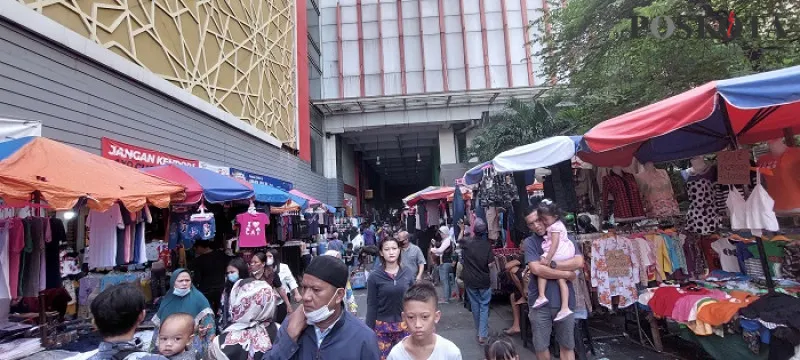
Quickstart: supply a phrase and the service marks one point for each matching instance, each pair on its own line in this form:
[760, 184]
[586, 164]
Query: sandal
[511, 333]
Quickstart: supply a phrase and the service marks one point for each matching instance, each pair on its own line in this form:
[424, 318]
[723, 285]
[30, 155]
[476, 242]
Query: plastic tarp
[14, 129]
[412, 196]
[540, 154]
[699, 121]
[439, 193]
[311, 200]
[203, 184]
[63, 174]
[270, 194]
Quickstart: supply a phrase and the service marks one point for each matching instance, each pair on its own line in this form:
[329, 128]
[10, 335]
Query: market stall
[39, 176]
[724, 251]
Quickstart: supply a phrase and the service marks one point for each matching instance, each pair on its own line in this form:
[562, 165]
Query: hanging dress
[702, 217]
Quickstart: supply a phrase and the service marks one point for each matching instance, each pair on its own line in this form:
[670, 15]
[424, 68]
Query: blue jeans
[444, 278]
[479, 302]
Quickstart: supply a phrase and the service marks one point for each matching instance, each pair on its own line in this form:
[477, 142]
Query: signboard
[261, 179]
[733, 167]
[222, 170]
[138, 157]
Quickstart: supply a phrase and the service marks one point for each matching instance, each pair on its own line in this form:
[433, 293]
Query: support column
[447, 146]
[330, 169]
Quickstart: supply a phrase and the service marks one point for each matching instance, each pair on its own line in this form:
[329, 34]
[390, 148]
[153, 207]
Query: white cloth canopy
[540, 154]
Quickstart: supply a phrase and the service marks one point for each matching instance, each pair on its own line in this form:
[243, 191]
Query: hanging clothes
[627, 201]
[52, 253]
[16, 245]
[658, 197]
[615, 270]
[702, 217]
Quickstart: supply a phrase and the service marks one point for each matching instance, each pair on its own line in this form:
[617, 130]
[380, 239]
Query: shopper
[476, 252]
[251, 332]
[334, 243]
[265, 272]
[542, 319]
[556, 247]
[236, 270]
[324, 330]
[207, 269]
[368, 234]
[287, 277]
[117, 312]
[446, 259]
[413, 258]
[421, 314]
[183, 297]
[500, 348]
[385, 289]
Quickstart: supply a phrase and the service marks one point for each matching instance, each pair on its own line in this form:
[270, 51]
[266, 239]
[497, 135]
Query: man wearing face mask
[323, 329]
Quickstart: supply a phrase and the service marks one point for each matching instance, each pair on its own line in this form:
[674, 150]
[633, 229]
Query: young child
[500, 348]
[421, 313]
[556, 247]
[175, 336]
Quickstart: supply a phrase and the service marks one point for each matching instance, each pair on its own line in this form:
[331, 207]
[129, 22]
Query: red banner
[137, 157]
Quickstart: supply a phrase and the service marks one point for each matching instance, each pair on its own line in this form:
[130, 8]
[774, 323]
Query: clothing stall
[723, 263]
[41, 181]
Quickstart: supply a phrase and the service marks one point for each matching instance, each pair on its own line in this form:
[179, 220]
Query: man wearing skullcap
[323, 329]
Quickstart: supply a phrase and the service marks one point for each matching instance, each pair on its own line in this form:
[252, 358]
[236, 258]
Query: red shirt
[664, 299]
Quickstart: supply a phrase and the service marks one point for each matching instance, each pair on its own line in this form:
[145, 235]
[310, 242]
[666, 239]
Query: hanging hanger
[252, 208]
[202, 215]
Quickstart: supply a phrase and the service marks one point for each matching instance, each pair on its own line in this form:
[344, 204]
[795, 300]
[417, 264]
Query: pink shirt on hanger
[253, 229]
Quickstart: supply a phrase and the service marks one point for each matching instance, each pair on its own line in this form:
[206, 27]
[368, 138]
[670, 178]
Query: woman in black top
[260, 271]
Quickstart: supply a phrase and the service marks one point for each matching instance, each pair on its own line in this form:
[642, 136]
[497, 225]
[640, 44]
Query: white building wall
[447, 146]
[421, 31]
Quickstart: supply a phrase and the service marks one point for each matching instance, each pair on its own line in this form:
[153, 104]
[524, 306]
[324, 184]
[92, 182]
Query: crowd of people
[229, 309]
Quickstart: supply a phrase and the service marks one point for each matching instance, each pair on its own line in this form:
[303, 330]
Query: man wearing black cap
[323, 330]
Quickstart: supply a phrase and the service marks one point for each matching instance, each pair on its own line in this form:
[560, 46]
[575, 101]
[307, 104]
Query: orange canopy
[63, 174]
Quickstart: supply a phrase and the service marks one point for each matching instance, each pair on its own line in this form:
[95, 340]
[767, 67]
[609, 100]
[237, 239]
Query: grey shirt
[534, 252]
[412, 258]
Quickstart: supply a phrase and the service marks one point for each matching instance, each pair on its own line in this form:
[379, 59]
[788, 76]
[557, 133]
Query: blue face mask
[181, 292]
[233, 277]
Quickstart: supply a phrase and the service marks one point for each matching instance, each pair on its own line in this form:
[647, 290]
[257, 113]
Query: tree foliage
[589, 47]
[519, 124]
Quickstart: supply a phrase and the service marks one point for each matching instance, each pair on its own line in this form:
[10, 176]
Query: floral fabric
[389, 334]
[252, 305]
[609, 280]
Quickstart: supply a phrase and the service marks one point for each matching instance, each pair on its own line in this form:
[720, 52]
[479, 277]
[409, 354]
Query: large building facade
[223, 82]
[406, 84]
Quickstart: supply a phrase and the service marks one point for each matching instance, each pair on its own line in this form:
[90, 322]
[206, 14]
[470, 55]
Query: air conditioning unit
[368, 194]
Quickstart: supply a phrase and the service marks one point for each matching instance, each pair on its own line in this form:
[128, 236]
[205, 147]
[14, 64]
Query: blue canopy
[271, 195]
[202, 183]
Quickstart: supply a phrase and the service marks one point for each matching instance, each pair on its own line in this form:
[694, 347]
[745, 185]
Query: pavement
[457, 325]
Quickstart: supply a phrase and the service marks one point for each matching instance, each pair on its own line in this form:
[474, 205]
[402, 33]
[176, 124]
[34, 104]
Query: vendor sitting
[117, 311]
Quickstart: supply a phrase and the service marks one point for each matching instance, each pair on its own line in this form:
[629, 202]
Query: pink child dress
[566, 249]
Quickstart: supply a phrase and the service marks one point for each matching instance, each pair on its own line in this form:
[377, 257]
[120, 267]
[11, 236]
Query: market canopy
[203, 184]
[702, 120]
[310, 201]
[409, 197]
[540, 154]
[63, 174]
[270, 194]
[439, 193]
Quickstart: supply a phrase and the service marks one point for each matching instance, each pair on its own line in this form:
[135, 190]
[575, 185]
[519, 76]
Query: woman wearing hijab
[261, 270]
[183, 297]
[237, 270]
[251, 330]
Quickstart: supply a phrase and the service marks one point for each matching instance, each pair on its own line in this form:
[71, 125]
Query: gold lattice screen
[237, 55]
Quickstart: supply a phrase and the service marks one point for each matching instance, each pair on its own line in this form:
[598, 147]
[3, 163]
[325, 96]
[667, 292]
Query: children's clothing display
[252, 229]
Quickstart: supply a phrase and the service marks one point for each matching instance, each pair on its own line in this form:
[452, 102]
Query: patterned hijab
[252, 305]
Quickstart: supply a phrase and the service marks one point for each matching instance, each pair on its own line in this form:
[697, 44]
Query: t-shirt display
[727, 255]
[252, 229]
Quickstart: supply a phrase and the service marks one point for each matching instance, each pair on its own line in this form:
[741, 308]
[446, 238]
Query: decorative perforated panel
[237, 55]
